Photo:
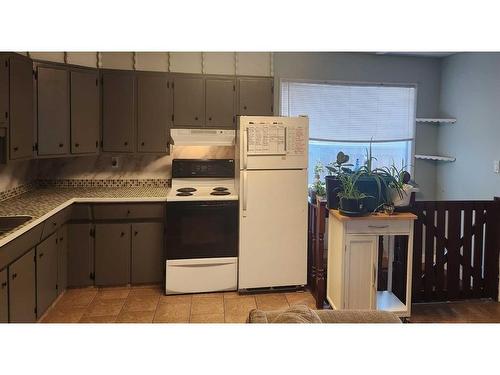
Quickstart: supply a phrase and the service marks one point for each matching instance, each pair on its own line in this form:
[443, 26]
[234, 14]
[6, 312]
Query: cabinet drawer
[128, 211]
[55, 221]
[378, 227]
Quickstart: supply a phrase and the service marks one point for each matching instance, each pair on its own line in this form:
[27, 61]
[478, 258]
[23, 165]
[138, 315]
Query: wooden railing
[455, 250]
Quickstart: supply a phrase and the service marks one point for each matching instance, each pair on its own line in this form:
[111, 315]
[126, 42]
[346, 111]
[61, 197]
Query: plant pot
[353, 207]
[368, 185]
[333, 187]
[404, 200]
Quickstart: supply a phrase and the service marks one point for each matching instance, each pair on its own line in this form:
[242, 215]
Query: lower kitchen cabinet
[147, 253]
[62, 259]
[22, 292]
[4, 297]
[360, 273]
[46, 273]
[112, 254]
[80, 255]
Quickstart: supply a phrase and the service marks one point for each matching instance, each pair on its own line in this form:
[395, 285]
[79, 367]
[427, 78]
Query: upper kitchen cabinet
[220, 102]
[4, 91]
[20, 107]
[154, 112]
[84, 111]
[118, 111]
[189, 101]
[53, 110]
[255, 96]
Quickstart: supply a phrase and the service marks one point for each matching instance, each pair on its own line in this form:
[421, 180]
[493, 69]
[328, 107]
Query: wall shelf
[435, 157]
[436, 121]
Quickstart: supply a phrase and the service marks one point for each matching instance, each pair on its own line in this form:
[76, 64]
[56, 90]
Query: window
[346, 117]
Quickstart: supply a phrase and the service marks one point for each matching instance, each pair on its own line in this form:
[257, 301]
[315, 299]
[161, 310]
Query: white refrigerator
[271, 158]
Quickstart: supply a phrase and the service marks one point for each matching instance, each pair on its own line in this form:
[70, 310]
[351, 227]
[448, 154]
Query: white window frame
[365, 83]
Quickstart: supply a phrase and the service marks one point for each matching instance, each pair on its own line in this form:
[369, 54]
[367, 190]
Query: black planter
[353, 207]
[333, 187]
[368, 185]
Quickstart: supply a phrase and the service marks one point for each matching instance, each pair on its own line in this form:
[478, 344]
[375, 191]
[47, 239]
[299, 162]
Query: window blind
[352, 113]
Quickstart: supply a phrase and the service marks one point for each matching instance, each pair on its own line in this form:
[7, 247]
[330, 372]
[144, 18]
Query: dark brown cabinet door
[112, 254]
[53, 111]
[118, 111]
[46, 273]
[62, 259]
[4, 91]
[4, 297]
[154, 112]
[84, 112]
[80, 255]
[21, 107]
[255, 96]
[22, 292]
[189, 102]
[220, 103]
[147, 253]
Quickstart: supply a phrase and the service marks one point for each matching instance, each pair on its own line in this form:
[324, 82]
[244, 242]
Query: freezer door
[273, 142]
[273, 228]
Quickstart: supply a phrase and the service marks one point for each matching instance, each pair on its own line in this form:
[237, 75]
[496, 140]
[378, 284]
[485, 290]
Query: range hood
[203, 137]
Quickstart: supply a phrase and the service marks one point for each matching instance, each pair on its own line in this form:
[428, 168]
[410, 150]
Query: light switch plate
[496, 166]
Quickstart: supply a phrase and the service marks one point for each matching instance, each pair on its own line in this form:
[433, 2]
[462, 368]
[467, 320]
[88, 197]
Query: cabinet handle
[122, 234]
[378, 226]
[4, 284]
[136, 233]
[196, 118]
[96, 144]
[61, 144]
[210, 119]
[54, 224]
[245, 107]
[14, 275]
[6, 114]
[41, 255]
[128, 212]
[16, 148]
[374, 275]
[77, 145]
[125, 143]
[142, 143]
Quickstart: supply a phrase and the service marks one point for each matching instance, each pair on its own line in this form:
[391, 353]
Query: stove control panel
[216, 168]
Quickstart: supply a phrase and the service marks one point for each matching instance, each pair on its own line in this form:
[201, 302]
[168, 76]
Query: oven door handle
[245, 148]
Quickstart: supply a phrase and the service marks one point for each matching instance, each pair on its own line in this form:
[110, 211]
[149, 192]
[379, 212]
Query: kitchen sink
[8, 223]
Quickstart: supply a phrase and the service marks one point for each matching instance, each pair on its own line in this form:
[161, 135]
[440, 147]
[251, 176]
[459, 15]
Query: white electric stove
[202, 227]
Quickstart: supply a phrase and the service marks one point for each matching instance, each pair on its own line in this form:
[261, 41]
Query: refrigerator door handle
[244, 149]
[245, 194]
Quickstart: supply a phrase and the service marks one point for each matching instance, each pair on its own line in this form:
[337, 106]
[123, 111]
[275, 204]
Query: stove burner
[183, 194]
[186, 190]
[220, 188]
[220, 193]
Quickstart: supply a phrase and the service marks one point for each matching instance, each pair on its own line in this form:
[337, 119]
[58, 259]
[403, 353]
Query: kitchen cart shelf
[435, 157]
[437, 121]
[387, 301]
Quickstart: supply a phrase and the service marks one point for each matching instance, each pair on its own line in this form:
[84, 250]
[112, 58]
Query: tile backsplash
[97, 171]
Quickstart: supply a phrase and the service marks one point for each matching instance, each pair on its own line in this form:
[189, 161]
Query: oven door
[203, 229]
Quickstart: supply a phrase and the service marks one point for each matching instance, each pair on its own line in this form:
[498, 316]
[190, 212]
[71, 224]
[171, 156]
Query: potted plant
[400, 189]
[352, 201]
[375, 182]
[317, 189]
[333, 182]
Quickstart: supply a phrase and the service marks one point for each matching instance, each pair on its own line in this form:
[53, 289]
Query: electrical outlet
[496, 166]
[115, 162]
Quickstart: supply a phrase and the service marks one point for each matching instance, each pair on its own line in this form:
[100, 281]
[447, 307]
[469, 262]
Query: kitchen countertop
[42, 203]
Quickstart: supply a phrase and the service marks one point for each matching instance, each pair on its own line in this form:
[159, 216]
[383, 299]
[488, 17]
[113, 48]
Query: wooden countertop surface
[376, 216]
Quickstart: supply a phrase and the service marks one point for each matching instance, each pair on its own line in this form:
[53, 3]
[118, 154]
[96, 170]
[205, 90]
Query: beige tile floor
[147, 304]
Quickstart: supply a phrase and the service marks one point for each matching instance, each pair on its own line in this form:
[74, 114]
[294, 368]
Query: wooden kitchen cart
[353, 246]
